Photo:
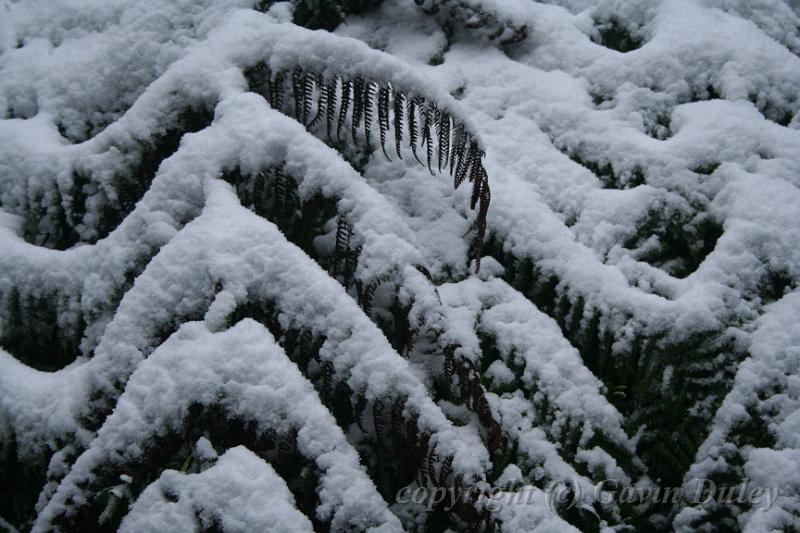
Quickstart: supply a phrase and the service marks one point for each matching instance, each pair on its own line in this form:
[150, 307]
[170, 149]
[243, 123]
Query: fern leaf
[327, 381]
[369, 294]
[321, 103]
[457, 141]
[444, 139]
[345, 100]
[398, 122]
[344, 232]
[360, 407]
[277, 90]
[383, 116]
[330, 108]
[413, 131]
[297, 92]
[427, 135]
[358, 106]
[369, 97]
[377, 420]
[308, 97]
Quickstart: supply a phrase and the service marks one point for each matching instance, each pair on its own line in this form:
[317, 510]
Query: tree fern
[238, 293]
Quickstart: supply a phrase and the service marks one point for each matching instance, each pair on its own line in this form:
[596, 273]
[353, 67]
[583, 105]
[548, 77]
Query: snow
[598, 160]
[767, 386]
[551, 374]
[239, 493]
[194, 367]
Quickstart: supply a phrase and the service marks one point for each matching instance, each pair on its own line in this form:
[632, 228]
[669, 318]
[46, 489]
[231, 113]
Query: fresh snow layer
[598, 160]
[240, 493]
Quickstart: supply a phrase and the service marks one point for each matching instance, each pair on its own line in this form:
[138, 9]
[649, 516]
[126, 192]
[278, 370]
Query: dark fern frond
[444, 471]
[430, 465]
[358, 105]
[346, 97]
[383, 116]
[480, 220]
[344, 232]
[461, 167]
[427, 135]
[427, 124]
[330, 108]
[444, 139]
[259, 78]
[321, 103]
[327, 381]
[369, 100]
[297, 92]
[308, 96]
[398, 122]
[456, 150]
[377, 420]
[277, 89]
[359, 408]
[369, 294]
[413, 132]
[398, 422]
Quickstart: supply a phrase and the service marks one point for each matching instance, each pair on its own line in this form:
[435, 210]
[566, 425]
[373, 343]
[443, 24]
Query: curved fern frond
[186, 369]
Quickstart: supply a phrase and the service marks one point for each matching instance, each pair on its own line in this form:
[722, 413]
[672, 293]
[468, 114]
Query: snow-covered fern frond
[238, 293]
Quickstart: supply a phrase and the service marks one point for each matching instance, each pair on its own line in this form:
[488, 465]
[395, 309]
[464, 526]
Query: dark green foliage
[605, 172]
[327, 14]
[20, 483]
[612, 33]
[34, 333]
[489, 25]
[683, 242]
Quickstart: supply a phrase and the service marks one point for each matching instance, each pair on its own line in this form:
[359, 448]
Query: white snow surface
[239, 493]
[586, 146]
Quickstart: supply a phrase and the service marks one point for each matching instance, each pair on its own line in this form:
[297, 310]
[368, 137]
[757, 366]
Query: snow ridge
[237, 291]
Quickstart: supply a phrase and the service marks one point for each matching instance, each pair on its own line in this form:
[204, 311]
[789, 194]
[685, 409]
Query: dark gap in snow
[775, 285]
[774, 112]
[706, 169]
[614, 34]
[602, 98]
[703, 93]
[21, 106]
[20, 483]
[325, 14]
[675, 241]
[38, 332]
[658, 123]
[606, 173]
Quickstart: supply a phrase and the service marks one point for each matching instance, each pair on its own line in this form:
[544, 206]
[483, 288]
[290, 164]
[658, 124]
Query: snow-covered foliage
[242, 287]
